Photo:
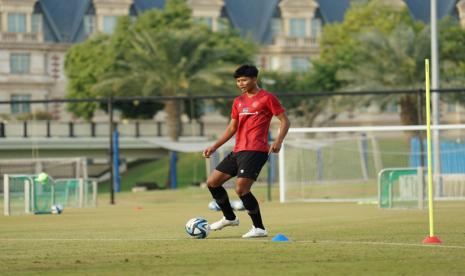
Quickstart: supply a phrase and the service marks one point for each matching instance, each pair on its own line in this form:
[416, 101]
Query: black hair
[246, 71]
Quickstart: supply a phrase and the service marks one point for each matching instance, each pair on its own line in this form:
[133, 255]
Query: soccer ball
[42, 178]
[57, 209]
[213, 206]
[237, 205]
[197, 228]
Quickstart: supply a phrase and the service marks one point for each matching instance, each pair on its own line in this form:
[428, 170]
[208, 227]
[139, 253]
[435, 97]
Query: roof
[333, 10]
[63, 19]
[143, 5]
[421, 9]
[254, 20]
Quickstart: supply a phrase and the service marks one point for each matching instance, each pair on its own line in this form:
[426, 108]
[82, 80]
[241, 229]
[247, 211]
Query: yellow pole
[428, 140]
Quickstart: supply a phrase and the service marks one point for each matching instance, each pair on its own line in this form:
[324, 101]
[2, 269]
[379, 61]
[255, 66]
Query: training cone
[280, 238]
[432, 240]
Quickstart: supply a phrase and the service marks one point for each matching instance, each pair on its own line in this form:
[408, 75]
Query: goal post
[401, 188]
[6, 192]
[343, 163]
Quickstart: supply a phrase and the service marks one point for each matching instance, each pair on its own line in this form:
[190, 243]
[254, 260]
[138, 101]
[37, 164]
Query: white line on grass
[238, 239]
[384, 243]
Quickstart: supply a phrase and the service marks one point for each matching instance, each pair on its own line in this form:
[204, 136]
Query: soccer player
[250, 121]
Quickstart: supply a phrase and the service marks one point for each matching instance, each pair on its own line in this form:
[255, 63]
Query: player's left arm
[283, 128]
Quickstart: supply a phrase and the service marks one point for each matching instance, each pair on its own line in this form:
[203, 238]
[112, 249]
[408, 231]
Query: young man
[250, 121]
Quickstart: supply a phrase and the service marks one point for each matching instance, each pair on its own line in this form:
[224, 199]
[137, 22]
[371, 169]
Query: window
[208, 21]
[300, 64]
[392, 108]
[316, 27]
[298, 27]
[109, 24]
[276, 27]
[36, 23]
[89, 24]
[275, 63]
[20, 63]
[18, 108]
[451, 107]
[223, 24]
[16, 22]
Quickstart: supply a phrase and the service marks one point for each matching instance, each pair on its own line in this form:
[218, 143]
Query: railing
[306, 42]
[29, 129]
[21, 37]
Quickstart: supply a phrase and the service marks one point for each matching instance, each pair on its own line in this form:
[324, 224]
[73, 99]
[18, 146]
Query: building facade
[36, 34]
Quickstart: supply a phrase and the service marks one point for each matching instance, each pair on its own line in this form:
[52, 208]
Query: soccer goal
[24, 194]
[343, 163]
[401, 188]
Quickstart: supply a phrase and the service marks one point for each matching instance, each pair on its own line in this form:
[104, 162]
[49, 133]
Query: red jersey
[254, 116]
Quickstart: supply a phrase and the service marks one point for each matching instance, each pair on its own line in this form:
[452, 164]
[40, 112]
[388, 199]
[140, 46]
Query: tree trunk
[173, 118]
[409, 114]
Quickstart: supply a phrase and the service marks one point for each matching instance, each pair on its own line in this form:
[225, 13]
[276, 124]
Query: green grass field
[143, 234]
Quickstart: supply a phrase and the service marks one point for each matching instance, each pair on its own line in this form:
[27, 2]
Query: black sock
[221, 197]
[251, 205]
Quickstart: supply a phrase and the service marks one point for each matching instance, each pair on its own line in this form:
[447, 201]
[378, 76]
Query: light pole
[435, 97]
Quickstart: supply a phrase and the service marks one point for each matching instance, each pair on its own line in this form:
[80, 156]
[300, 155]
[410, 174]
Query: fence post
[48, 129]
[159, 129]
[137, 129]
[92, 129]
[202, 128]
[71, 129]
[111, 125]
[25, 129]
[2, 129]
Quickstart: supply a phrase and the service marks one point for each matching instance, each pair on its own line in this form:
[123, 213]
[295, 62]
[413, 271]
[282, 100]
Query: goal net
[24, 194]
[76, 193]
[343, 163]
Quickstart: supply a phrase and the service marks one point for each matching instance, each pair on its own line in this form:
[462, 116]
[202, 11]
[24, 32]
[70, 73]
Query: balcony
[296, 42]
[21, 37]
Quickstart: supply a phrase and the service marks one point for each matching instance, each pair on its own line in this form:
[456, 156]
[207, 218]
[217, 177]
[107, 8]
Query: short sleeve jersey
[254, 116]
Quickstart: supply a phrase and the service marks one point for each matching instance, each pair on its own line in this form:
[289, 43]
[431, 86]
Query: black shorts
[246, 164]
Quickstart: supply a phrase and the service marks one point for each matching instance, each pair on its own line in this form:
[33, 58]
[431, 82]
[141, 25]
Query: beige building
[36, 34]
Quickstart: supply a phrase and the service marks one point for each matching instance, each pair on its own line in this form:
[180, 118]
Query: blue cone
[280, 238]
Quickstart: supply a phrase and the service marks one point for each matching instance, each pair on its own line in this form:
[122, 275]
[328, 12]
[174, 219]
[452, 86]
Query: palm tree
[170, 63]
[395, 61]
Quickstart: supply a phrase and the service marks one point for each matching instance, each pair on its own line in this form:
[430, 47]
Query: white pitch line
[244, 240]
[385, 243]
[90, 239]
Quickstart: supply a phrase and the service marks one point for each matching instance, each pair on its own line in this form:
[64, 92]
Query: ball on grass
[237, 205]
[197, 228]
[57, 209]
[214, 206]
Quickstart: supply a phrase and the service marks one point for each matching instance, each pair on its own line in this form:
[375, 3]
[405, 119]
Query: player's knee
[212, 183]
[240, 191]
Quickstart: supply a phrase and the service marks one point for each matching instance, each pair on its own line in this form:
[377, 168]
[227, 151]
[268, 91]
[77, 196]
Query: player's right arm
[230, 131]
